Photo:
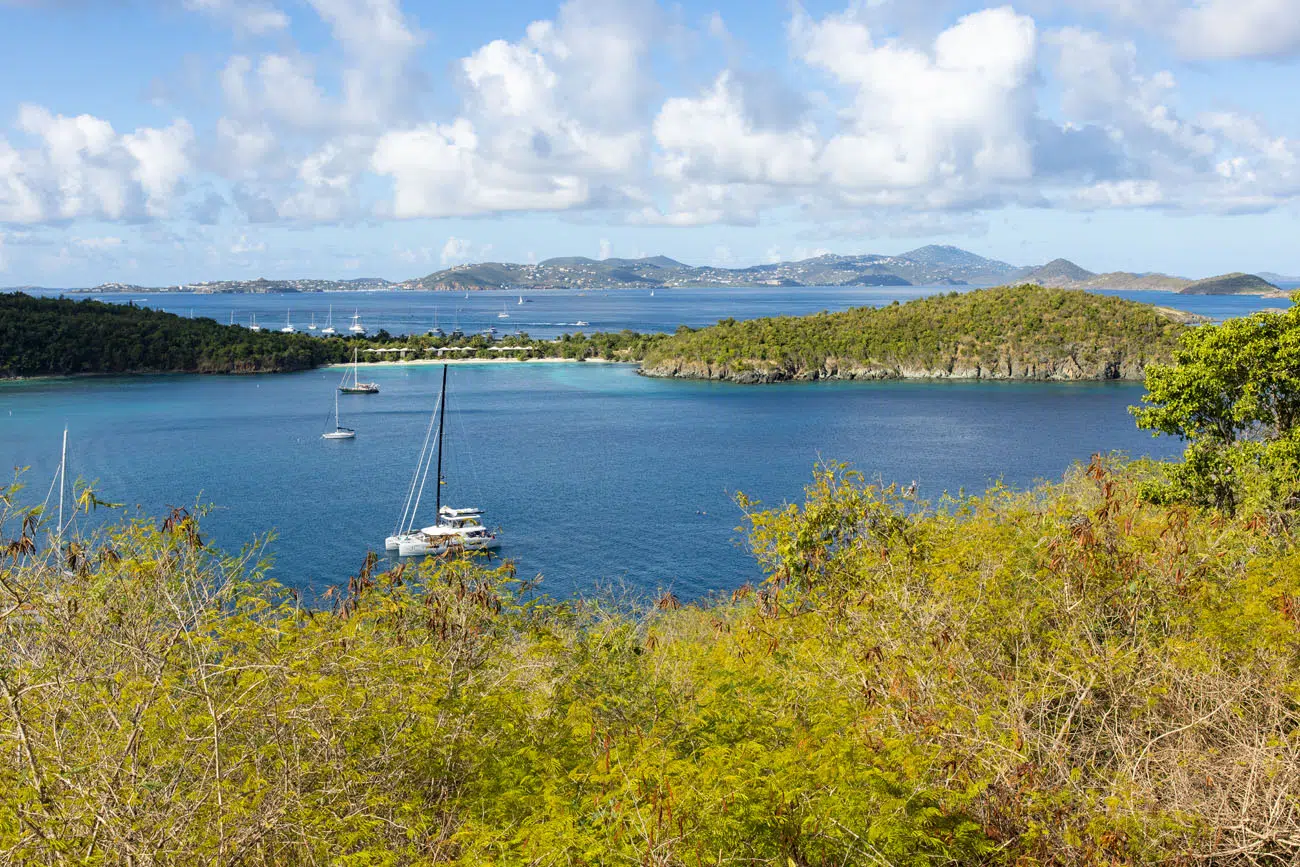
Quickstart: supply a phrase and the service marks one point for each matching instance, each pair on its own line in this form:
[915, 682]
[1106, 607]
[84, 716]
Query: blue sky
[170, 141]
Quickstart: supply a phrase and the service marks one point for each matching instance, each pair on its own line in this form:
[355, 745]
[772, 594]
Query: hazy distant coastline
[925, 266]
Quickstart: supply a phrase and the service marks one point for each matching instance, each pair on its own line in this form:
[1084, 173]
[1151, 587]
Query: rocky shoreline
[1068, 369]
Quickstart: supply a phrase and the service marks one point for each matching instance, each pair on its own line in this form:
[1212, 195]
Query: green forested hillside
[1021, 332]
[1231, 284]
[54, 336]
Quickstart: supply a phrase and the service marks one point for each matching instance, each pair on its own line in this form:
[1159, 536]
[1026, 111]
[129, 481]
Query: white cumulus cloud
[80, 166]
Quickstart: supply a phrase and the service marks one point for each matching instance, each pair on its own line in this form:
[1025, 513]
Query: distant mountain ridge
[931, 265]
[1064, 274]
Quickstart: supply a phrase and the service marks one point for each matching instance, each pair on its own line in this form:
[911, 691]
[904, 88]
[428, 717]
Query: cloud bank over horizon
[879, 118]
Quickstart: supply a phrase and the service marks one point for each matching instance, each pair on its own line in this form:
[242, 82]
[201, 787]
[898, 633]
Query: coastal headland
[1023, 332]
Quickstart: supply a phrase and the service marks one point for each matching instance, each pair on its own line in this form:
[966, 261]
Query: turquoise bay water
[594, 474]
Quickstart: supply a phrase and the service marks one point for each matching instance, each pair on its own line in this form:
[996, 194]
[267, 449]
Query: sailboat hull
[417, 545]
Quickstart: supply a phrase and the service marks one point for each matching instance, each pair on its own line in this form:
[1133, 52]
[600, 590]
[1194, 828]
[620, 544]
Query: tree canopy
[1014, 331]
[1233, 392]
[55, 336]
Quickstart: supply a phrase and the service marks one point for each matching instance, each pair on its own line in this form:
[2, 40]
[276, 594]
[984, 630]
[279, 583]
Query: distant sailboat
[288, 323]
[340, 432]
[312, 327]
[357, 386]
[356, 327]
[503, 314]
[328, 330]
[521, 299]
[253, 326]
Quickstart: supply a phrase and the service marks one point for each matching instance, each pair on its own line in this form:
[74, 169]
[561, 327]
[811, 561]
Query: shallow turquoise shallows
[594, 474]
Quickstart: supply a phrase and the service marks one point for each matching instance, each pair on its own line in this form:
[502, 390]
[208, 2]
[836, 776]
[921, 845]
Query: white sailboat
[312, 327]
[503, 314]
[288, 323]
[328, 330]
[455, 530]
[254, 326]
[357, 386]
[521, 299]
[340, 432]
[356, 327]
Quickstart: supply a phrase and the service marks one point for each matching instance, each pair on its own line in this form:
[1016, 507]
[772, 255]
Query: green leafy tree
[1233, 392]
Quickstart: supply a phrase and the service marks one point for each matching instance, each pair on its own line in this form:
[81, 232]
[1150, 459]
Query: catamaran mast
[63, 474]
[442, 416]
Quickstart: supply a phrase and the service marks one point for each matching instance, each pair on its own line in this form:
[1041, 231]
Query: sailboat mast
[63, 474]
[442, 417]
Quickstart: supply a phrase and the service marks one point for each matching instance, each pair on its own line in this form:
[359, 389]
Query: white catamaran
[456, 530]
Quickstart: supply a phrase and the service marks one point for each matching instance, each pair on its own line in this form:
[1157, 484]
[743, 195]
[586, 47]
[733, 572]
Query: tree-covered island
[1020, 332]
[1023, 332]
[1100, 671]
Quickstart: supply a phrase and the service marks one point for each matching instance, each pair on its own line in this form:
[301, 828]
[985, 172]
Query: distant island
[1024, 332]
[934, 265]
[1064, 274]
[260, 286]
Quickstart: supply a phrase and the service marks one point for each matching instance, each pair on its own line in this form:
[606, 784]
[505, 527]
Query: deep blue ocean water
[595, 475]
[554, 312]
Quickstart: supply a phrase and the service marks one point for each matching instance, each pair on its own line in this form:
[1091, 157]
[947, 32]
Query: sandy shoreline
[425, 362]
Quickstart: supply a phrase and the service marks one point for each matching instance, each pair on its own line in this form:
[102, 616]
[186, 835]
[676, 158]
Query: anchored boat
[455, 530]
[357, 386]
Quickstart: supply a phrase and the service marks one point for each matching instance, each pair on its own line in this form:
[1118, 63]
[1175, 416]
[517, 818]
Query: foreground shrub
[1070, 676]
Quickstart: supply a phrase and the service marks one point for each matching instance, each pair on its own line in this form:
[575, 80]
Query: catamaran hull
[411, 547]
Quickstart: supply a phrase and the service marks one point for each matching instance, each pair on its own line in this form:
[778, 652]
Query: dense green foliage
[1025, 330]
[1233, 392]
[55, 336]
[610, 346]
[1070, 676]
